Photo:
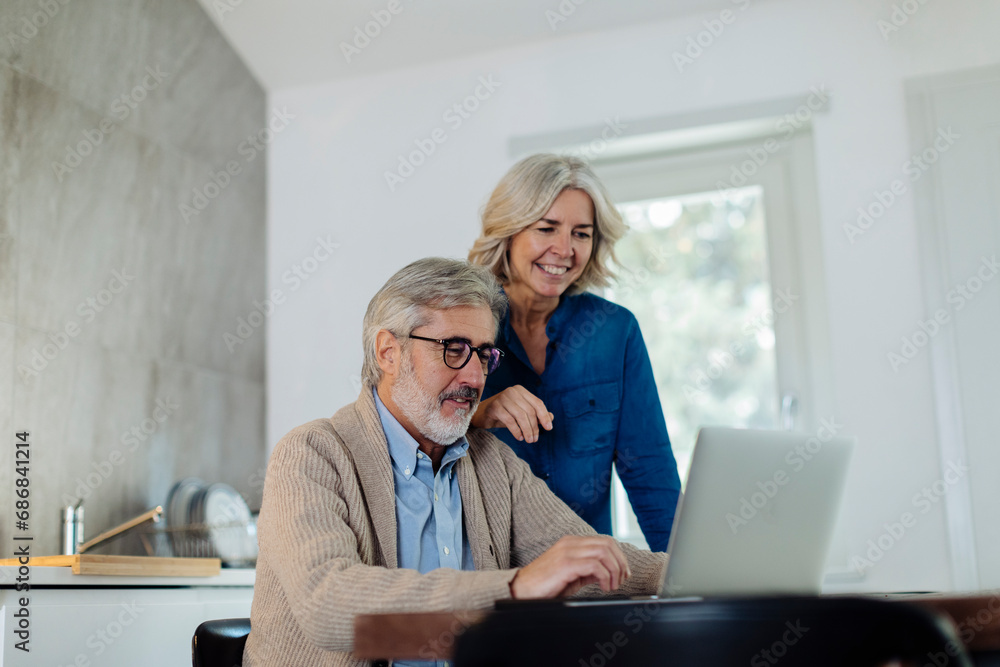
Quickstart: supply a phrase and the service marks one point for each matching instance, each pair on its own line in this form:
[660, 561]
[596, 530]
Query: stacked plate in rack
[215, 514]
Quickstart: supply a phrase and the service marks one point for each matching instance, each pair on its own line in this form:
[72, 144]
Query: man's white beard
[424, 411]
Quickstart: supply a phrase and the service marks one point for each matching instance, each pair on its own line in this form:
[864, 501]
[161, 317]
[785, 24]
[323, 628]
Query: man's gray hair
[434, 283]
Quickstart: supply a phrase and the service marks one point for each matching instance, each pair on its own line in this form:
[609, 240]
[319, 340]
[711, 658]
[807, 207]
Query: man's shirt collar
[403, 447]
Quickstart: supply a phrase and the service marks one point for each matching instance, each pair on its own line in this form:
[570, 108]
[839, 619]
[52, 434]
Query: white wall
[326, 177]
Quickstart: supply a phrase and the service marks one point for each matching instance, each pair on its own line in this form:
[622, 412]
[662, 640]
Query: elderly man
[395, 505]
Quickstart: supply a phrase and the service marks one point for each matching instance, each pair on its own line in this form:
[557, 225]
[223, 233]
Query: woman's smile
[550, 255]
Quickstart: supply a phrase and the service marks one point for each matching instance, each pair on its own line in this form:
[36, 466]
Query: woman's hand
[517, 409]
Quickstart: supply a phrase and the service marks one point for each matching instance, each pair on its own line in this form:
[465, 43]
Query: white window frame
[672, 156]
[794, 254]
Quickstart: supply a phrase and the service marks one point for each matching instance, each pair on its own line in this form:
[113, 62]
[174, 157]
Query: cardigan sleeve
[322, 557]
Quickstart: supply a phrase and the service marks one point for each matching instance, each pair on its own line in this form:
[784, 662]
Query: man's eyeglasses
[458, 352]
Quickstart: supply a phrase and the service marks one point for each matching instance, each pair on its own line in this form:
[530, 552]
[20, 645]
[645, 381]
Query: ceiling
[291, 43]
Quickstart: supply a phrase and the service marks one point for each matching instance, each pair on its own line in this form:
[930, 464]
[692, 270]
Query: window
[700, 289]
[720, 272]
[724, 254]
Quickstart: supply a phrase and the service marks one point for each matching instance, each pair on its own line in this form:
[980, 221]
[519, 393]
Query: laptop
[758, 513]
[756, 518]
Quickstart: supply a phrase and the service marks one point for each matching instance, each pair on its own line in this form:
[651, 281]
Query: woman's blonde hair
[524, 195]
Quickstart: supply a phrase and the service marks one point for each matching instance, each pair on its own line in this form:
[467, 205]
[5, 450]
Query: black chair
[220, 643]
[790, 631]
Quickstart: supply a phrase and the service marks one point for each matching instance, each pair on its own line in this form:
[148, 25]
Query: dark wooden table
[976, 617]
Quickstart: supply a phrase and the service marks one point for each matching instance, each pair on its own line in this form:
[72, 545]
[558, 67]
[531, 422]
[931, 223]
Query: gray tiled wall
[106, 225]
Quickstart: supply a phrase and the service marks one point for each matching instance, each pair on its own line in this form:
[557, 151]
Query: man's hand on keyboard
[570, 564]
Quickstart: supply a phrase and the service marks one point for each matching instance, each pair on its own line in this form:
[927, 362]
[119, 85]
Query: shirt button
[419, 455]
[446, 551]
[435, 496]
[406, 472]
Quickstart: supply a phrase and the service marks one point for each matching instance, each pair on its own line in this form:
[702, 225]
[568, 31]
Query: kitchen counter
[112, 621]
[63, 577]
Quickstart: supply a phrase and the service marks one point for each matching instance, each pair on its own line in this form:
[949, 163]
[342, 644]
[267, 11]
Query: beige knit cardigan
[327, 533]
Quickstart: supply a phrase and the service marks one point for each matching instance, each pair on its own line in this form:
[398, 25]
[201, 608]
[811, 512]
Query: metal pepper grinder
[72, 528]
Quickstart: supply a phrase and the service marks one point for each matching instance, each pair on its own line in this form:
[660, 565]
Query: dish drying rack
[234, 543]
[206, 521]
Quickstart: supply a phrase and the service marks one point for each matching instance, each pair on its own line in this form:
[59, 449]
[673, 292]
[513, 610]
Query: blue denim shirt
[598, 383]
[429, 528]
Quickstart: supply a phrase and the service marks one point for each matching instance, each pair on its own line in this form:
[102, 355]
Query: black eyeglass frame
[445, 342]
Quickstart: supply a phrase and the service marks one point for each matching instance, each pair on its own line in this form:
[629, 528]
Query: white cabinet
[115, 621]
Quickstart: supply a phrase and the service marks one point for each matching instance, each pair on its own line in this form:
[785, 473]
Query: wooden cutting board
[128, 566]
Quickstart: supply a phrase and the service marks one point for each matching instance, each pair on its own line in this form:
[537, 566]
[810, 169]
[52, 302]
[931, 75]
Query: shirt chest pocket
[591, 417]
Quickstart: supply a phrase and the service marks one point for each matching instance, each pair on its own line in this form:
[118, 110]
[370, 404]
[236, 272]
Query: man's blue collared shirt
[429, 528]
[598, 383]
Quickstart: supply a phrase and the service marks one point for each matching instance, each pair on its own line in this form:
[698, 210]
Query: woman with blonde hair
[575, 393]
